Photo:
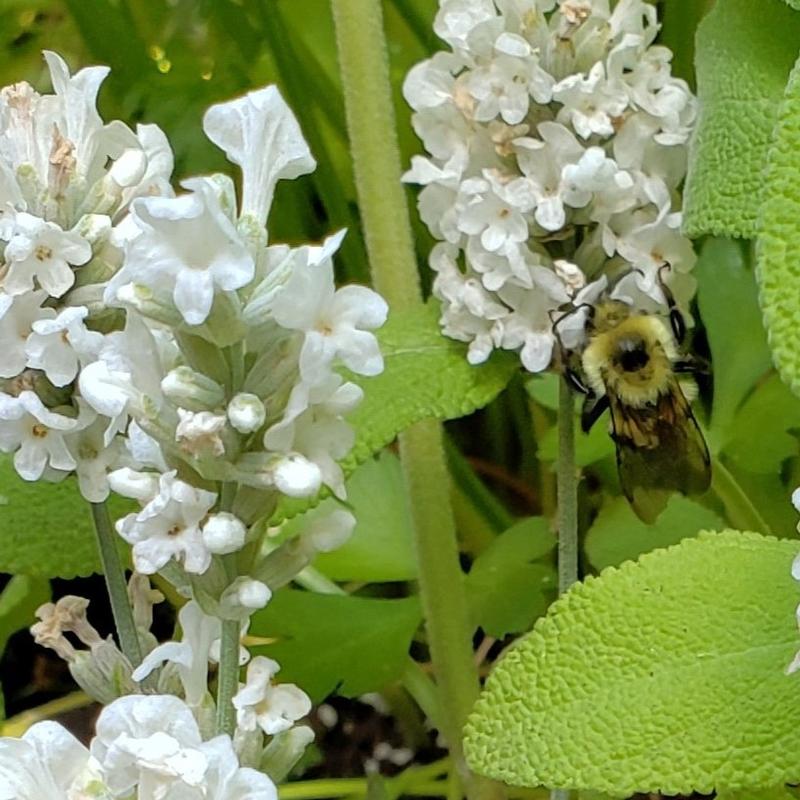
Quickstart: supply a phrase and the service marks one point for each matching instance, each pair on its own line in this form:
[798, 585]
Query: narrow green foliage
[727, 298]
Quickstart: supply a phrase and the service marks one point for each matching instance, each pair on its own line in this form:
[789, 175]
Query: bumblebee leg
[676, 319]
[593, 408]
[692, 366]
[573, 379]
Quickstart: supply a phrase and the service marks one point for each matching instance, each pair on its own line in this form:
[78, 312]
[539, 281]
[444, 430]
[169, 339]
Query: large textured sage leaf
[665, 675]
[426, 375]
[745, 50]
[779, 239]
[46, 528]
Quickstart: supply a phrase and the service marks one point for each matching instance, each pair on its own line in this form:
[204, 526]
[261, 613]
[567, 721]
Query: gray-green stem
[371, 126]
[116, 584]
[228, 676]
[567, 486]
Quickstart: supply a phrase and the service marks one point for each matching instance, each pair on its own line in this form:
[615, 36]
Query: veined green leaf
[745, 51]
[779, 237]
[47, 527]
[426, 375]
[666, 675]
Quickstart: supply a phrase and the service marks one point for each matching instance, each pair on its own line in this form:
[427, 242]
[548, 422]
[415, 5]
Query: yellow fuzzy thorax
[629, 356]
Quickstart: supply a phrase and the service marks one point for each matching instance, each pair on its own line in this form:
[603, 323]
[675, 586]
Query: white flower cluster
[161, 338]
[67, 181]
[557, 140]
[161, 346]
[147, 746]
[161, 744]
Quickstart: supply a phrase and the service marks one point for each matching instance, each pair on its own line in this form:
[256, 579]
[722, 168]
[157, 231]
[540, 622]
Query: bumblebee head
[631, 358]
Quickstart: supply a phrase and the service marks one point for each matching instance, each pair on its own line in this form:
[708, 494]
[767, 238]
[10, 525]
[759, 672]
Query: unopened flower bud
[103, 672]
[243, 597]
[198, 433]
[192, 390]
[148, 304]
[129, 168]
[141, 486]
[296, 476]
[246, 412]
[224, 533]
[284, 751]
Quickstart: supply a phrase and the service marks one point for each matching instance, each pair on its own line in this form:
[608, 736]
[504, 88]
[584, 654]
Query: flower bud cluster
[557, 141]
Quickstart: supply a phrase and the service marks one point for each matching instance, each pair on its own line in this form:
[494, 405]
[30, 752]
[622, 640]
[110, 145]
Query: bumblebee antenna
[676, 319]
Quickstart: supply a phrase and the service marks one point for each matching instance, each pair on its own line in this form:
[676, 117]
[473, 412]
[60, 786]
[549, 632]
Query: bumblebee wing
[660, 450]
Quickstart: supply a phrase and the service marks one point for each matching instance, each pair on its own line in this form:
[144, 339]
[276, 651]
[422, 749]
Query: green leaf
[779, 236]
[618, 535]
[47, 527]
[328, 643]
[381, 547]
[426, 375]
[727, 296]
[745, 51]
[759, 440]
[773, 793]
[18, 603]
[512, 582]
[666, 675]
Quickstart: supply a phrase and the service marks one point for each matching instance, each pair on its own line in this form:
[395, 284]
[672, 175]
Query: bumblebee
[632, 365]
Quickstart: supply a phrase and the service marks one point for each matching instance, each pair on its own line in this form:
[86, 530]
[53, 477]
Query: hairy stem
[372, 130]
[228, 681]
[116, 584]
[567, 485]
[371, 127]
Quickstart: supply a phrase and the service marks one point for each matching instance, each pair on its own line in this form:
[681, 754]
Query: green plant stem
[567, 491]
[228, 680]
[740, 511]
[441, 584]
[372, 131]
[567, 486]
[371, 127]
[116, 584]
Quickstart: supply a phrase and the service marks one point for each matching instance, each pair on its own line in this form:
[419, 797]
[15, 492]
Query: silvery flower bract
[557, 139]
